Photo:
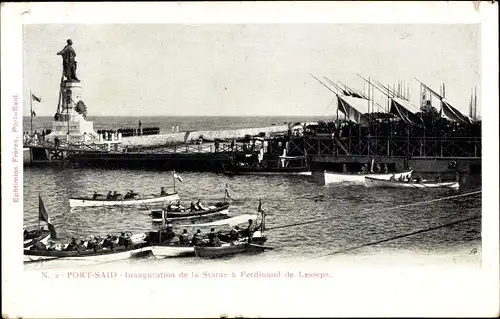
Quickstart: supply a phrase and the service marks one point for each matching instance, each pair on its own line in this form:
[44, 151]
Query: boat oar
[261, 246]
[143, 202]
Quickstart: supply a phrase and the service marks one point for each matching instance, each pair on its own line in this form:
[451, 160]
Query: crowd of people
[36, 136]
[385, 125]
[95, 243]
[154, 130]
[453, 138]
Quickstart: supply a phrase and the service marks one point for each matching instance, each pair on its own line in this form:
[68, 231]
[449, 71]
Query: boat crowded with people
[358, 176]
[187, 248]
[96, 249]
[252, 239]
[166, 243]
[401, 182]
[115, 199]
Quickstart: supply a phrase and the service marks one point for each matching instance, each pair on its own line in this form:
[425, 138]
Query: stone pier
[189, 137]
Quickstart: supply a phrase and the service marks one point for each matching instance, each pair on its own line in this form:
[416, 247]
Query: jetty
[198, 150]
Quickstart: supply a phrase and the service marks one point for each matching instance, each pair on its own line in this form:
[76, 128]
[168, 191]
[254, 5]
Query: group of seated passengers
[365, 169]
[175, 207]
[407, 179]
[212, 239]
[94, 243]
[179, 208]
[115, 195]
[418, 179]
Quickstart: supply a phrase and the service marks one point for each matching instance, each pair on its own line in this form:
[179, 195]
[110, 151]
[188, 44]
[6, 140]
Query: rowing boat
[103, 255]
[137, 200]
[375, 182]
[238, 246]
[353, 178]
[183, 250]
[217, 209]
[139, 246]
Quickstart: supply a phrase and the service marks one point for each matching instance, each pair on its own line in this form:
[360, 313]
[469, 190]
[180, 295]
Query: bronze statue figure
[69, 64]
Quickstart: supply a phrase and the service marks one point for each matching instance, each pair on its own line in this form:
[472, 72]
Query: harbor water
[355, 214]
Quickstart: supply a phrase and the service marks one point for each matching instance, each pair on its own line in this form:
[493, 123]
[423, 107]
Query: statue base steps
[80, 130]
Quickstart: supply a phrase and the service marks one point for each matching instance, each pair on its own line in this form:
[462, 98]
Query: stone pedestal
[68, 120]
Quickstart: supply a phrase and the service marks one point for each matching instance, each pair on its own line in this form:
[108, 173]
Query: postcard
[242, 159]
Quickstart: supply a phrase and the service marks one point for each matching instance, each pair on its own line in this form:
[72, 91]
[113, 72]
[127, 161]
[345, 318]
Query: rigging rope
[380, 210]
[324, 112]
[397, 237]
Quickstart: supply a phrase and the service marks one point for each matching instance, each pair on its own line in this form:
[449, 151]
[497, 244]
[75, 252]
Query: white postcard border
[353, 291]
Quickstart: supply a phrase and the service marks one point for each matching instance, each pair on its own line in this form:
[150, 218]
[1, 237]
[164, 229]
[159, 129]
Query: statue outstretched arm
[63, 51]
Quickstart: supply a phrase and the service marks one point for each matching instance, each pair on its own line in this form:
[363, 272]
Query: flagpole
[39, 197]
[421, 93]
[225, 193]
[174, 180]
[475, 103]
[31, 111]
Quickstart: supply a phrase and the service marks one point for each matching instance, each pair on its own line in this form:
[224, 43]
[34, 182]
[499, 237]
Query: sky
[245, 69]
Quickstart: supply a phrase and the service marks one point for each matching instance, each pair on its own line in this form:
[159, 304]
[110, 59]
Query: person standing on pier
[56, 142]
[216, 144]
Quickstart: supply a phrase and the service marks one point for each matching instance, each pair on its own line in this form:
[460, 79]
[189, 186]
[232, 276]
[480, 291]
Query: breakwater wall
[190, 137]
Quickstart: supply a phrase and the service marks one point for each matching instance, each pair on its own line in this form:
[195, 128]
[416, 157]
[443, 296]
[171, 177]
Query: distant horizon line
[192, 115]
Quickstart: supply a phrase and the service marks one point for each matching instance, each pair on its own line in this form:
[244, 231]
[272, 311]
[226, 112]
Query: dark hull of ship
[235, 170]
[177, 216]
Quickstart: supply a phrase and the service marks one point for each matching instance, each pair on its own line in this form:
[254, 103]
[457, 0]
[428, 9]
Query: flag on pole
[44, 216]
[177, 177]
[35, 98]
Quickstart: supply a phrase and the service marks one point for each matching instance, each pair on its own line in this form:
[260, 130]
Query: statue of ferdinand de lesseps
[69, 64]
